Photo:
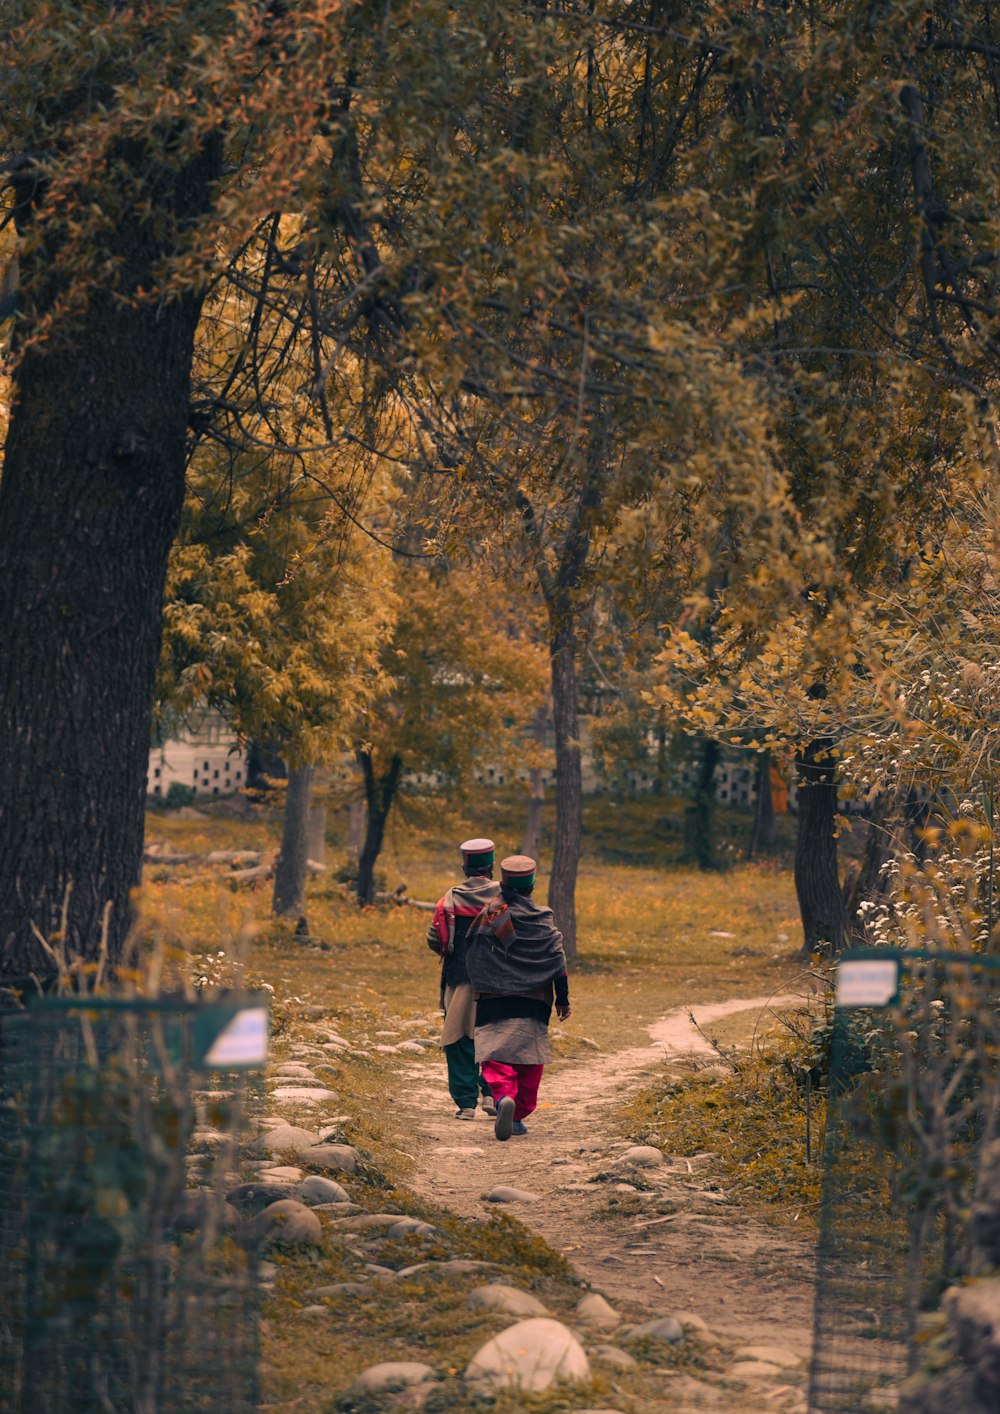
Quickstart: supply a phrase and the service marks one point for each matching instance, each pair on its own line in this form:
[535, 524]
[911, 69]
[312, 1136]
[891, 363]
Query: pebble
[503, 1194]
[666, 1328]
[289, 1139]
[612, 1355]
[594, 1310]
[643, 1156]
[283, 1174]
[392, 1374]
[507, 1299]
[452, 1266]
[296, 1068]
[386, 1050]
[626, 1188]
[313, 1311]
[317, 1189]
[332, 1039]
[531, 1355]
[410, 1046]
[340, 1157]
[366, 1222]
[309, 1093]
[779, 1355]
[284, 1224]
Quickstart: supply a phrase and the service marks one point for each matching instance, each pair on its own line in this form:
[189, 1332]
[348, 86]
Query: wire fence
[122, 1287]
[914, 1103]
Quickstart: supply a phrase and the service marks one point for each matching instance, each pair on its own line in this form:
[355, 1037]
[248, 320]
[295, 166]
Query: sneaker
[465, 1114]
[519, 1127]
[503, 1125]
[489, 1105]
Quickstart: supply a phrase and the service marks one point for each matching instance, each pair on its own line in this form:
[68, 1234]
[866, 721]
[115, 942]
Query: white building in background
[202, 753]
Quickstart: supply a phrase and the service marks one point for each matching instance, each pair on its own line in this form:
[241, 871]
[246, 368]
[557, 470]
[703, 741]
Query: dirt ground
[678, 1244]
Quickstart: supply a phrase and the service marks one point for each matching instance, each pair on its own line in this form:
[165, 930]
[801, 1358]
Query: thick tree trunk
[569, 779]
[380, 792]
[817, 882]
[90, 500]
[290, 870]
[316, 849]
[762, 835]
[531, 841]
[700, 814]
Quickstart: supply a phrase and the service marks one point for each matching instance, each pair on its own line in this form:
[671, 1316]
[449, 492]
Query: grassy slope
[646, 946]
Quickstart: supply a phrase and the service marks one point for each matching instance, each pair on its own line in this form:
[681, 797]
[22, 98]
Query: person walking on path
[448, 937]
[517, 968]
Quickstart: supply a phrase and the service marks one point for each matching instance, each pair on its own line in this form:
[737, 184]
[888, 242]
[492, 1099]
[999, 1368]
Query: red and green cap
[477, 854]
[518, 871]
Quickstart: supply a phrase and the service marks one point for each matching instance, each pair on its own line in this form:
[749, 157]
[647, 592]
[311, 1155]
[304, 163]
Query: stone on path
[753, 1370]
[503, 1194]
[344, 1288]
[284, 1224]
[297, 1068]
[612, 1355]
[451, 1266]
[392, 1374]
[692, 1322]
[779, 1355]
[317, 1189]
[289, 1139]
[304, 1094]
[284, 1173]
[507, 1299]
[411, 1227]
[531, 1355]
[643, 1156]
[339, 1157]
[666, 1328]
[366, 1222]
[594, 1310]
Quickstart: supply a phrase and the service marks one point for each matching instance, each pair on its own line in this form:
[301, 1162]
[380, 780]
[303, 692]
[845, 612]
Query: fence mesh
[913, 1108]
[122, 1289]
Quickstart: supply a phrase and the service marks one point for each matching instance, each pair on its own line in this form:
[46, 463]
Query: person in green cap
[447, 936]
[517, 967]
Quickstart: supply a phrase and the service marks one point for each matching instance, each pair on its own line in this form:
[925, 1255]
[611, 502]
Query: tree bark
[380, 792]
[817, 883]
[700, 815]
[762, 835]
[569, 779]
[531, 841]
[290, 869]
[90, 502]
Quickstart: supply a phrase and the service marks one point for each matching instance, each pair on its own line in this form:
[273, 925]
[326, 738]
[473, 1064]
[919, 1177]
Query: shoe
[465, 1114]
[503, 1125]
[519, 1127]
[489, 1105]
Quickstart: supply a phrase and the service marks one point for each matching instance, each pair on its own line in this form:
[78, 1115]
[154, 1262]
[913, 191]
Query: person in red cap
[447, 936]
[517, 967]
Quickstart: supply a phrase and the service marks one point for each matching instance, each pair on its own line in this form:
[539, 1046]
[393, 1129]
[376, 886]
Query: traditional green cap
[477, 854]
[518, 870]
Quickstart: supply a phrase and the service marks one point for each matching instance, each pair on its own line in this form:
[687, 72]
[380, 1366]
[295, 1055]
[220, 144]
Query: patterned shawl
[514, 949]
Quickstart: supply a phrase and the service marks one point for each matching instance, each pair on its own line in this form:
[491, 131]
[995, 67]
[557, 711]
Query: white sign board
[867, 981]
[242, 1041]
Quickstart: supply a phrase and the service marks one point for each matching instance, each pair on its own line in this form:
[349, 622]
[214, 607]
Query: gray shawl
[532, 957]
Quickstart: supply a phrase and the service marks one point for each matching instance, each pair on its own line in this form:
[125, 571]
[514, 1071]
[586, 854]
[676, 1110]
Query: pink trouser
[521, 1082]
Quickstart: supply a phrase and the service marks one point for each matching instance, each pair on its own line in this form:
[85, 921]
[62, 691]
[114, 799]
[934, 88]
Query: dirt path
[679, 1244]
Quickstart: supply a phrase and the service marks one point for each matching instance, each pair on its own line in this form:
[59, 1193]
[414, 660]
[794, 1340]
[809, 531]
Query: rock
[503, 1194]
[208, 1140]
[626, 1188]
[284, 1174]
[296, 1068]
[973, 1316]
[643, 1156]
[753, 1370]
[392, 1374]
[386, 1050]
[337, 1210]
[284, 1224]
[452, 1266]
[692, 1322]
[779, 1355]
[342, 1158]
[252, 1198]
[411, 1227]
[666, 1328]
[507, 1299]
[410, 1046]
[593, 1310]
[344, 1288]
[289, 1139]
[531, 1355]
[611, 1355]
[317, 1189]
[312, 1311]
[309, 1093]
[198, 1210]
[366, 1222]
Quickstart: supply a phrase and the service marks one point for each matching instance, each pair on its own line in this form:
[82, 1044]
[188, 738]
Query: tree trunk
[662, 742]
[357, 820]
[817, 883]
[316, 847]
[700, 814]
[380, 792]
[762, 835]
[531, 842]
[569, 779]
[290, 870]
[90, 501]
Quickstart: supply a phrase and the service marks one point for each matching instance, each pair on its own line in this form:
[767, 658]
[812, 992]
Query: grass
[654, 935]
